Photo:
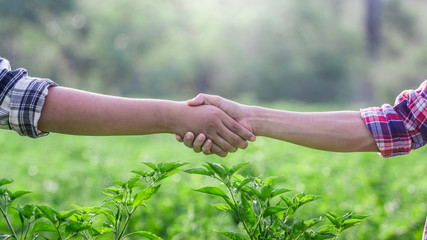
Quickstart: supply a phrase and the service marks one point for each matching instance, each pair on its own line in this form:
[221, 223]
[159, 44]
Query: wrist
[173, 117]
[254, 119]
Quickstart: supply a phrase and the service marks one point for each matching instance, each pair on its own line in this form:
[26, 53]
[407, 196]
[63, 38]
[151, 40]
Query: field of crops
[62, 171]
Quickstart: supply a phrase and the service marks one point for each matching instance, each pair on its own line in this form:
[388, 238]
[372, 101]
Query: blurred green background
[305, 55]
[305, 50]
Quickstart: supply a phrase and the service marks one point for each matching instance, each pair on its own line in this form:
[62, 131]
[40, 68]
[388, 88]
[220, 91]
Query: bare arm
[72, 111]
[342, 131]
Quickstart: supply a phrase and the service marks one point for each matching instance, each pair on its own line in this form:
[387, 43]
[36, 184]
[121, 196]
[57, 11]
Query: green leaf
[120, 183]
[220, 170]
[269, 180]
[21, 213]
[169, 166]
[286, 200]
[200, 171]
[28, 210]
[99, 231]
[236, 167]
[5, 181]
[247, 211]
[140, 173]
[226, 208]
[150, 165]
[133, 182]
[213, 190]
[18, 194]
[307, 199]
[75, 227]
[109, 215]
[243, 183]
[148, 235]
[279, 191]
[234, 236]
[333, 219]
[65, 215]
[43, 227]
[255, 192]
[50, 213]
[144, 194]
[238, 177]
[327, 235]
[168, 174]
[113, 190]
[273, 210]
[222, 206]
[312, 222]
[266, 192]
[299, 226]
[350, 223]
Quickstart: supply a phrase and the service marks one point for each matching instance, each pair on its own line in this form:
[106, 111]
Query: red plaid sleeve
[399, 129]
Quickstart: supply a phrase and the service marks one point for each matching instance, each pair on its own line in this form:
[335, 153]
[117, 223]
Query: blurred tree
[373, 27]
[15, 14]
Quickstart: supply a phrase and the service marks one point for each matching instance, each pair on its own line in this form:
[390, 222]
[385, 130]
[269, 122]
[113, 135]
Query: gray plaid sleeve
[21, 100]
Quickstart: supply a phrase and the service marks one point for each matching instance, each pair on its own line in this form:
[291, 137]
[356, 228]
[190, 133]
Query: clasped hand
[238, 129]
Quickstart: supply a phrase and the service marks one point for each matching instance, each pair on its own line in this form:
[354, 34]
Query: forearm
[78, 112]
[332, 131]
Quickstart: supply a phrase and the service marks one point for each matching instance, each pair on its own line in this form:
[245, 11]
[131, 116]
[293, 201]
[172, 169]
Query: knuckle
[235, 127]
[236, 141]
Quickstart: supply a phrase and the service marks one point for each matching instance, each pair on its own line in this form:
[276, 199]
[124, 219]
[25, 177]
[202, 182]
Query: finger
[230, 137]
[178, 138]
[198, 142]
[222, 142]
[206, 148]
[218, 151]
[189, 139]
[239, 130]
[197, 101]
[205, 99]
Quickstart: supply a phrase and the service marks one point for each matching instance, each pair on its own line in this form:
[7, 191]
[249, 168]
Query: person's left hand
[235, 110]
[198, 144]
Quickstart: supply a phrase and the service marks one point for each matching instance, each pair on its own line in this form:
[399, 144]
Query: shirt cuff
[387, 128]
[27, 100]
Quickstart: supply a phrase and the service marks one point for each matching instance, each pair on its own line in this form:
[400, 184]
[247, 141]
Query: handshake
[229, 126]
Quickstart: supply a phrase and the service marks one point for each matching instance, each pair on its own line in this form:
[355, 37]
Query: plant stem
[59, 232]
[8, 222]
[126, 223]
[238, 213]
[258, 222]
[27, 229]
[117, 227]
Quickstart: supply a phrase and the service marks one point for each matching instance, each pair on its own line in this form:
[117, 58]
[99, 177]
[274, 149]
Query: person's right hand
[235, 110]
[225, 133]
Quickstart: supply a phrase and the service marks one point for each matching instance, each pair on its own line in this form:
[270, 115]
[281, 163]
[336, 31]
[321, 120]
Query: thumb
[197, 101]
[205, 99]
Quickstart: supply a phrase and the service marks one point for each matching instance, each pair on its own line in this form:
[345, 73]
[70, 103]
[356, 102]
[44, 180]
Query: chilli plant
[264, 212]
[115, 213]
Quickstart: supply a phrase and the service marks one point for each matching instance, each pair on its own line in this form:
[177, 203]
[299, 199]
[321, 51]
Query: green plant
[123, 199]
[263, 210]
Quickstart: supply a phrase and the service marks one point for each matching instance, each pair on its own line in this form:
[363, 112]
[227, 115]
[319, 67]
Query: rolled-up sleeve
[400, 128]
[21, 100]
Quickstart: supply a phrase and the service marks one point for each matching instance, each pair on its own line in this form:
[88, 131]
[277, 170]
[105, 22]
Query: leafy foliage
[123, 199]
[264, 212]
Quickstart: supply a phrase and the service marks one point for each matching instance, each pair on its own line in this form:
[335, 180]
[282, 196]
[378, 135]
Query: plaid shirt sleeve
[21, 100]
[400, 128]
